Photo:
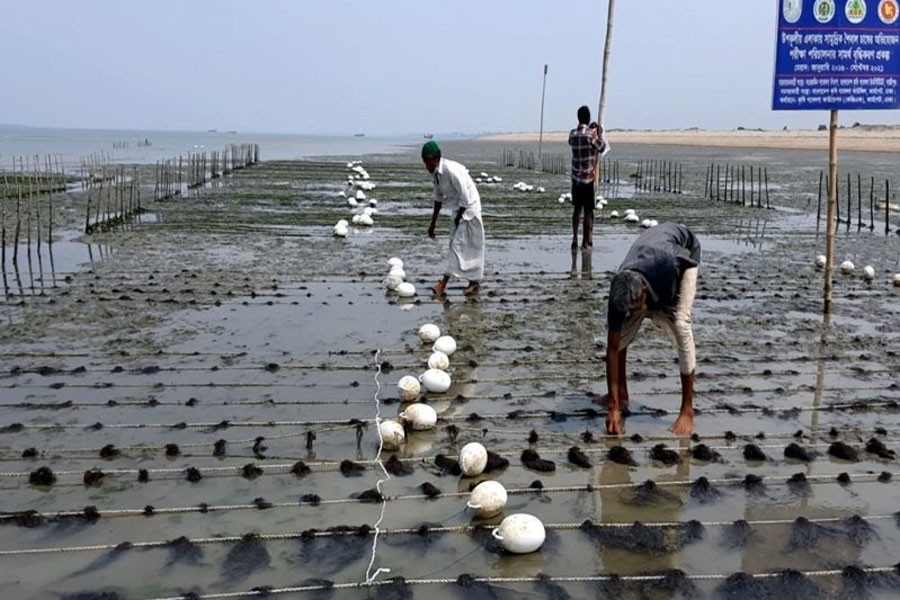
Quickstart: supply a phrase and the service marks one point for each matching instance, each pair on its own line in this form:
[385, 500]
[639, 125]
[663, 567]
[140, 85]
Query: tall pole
[543, 90]
[831, 225]
[610, 9]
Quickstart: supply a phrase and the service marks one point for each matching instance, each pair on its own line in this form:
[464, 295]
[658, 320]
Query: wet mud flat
[193, 413]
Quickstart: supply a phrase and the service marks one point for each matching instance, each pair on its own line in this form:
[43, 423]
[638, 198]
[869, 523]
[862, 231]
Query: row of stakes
[518, 533]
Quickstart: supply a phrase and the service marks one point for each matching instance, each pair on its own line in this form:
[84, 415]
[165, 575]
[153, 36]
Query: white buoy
[392, 434]
[392, 282]
[632, 218]
[395, 261]
[366, 220]
[487, 499]
[820, 261]
[420, 416]
[896, 279]
[429, 332]
[406, 290]
[520, 533]
[341, 230]
[847, 267]
[435, 381]
[438, 360]
[614, 214]
[629, 211]
[445, 344]
[645, 223]
[869, 273]
[398, 271]
[408, 388]
[473, 459]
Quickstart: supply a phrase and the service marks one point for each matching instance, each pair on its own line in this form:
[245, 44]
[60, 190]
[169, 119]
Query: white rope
[370, 577]
[135, 512]
[528, 579]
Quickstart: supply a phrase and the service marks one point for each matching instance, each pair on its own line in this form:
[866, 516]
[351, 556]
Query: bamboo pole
[859, 221]
[831, 225]
[872, 204]
[604, 76]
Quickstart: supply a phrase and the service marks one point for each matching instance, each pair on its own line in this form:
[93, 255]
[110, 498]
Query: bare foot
[683, 425]
[472, 288]
[614, 423]
[439, 288]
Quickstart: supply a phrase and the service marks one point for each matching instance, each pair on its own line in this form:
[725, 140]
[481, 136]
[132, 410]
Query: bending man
[454, 186]
[657, 279]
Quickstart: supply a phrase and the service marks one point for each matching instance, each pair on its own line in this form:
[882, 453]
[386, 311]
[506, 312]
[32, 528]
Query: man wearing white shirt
[454, 186]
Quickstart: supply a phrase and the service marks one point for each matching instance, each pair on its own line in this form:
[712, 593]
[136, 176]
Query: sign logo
[791, 10]
[824, 10]
[888, 11]
[855, 11]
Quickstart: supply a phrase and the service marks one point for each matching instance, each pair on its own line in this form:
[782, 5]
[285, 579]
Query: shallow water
[235, 315]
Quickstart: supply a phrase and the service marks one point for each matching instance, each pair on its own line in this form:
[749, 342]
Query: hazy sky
[390, 66]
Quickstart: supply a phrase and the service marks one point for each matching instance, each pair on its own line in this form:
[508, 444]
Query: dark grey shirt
[661, 254]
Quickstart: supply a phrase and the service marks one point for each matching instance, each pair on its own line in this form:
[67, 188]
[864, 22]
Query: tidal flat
[189, 400]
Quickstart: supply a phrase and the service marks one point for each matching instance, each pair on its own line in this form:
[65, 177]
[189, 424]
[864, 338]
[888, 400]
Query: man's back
[661, 254]
[585, 146]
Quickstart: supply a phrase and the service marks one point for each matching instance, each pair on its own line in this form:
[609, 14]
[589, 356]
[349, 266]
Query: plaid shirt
[585, 146]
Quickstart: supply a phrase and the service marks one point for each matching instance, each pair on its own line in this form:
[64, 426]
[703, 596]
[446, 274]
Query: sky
[391, 67]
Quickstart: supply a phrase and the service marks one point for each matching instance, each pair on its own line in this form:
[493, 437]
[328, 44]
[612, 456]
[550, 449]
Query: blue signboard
[837, 55]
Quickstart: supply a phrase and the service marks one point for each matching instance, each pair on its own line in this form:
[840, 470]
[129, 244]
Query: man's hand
[431, 231]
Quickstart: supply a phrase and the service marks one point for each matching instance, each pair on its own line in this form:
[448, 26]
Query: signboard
[837, 55]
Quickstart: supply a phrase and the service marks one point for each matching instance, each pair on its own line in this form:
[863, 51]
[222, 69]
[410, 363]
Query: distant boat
[359, 135]
[428, 136]
[232, 131]
[212, 131]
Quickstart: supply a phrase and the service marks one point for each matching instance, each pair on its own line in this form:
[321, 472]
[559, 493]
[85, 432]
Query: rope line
[662, 577]
[520, 414]
[418, 531]
[589, 488]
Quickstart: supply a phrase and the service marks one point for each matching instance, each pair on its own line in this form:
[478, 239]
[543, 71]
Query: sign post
[543, 89]
[836, 55]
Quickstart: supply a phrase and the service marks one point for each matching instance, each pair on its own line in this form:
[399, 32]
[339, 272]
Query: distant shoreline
[865, 138]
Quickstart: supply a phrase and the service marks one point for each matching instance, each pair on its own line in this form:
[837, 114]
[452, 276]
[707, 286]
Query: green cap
[431, 150]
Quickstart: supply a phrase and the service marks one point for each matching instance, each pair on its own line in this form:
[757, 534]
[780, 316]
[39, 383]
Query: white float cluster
[485, 178]
[521, 186]
[518, 533]
[848, 268]
[358, 184]
[395, 281]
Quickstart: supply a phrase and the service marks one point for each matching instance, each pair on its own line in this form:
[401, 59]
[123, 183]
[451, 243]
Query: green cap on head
[431, 150]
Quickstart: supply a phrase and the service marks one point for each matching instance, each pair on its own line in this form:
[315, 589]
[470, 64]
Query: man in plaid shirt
[586, 142]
